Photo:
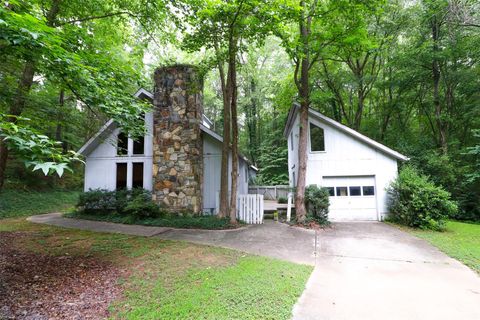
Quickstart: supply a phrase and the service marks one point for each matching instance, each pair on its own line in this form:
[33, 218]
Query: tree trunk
[233, 108]
[304, 92]
[223, 210]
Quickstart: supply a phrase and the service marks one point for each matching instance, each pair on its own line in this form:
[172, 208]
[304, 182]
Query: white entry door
[352, 198]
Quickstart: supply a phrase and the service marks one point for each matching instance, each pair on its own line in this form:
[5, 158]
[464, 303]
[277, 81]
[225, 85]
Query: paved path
[362, 270]
[375, 271]
[56, 219]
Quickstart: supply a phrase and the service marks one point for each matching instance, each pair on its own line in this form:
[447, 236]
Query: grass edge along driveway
[460, 240]
[174, 280]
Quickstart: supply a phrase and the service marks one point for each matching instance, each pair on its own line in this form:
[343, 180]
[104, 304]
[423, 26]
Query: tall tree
[312, 27]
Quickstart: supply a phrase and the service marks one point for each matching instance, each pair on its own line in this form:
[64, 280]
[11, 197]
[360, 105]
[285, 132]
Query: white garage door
[351, 198]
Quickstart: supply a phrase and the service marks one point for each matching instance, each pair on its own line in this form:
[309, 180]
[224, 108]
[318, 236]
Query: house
[178, 159]
[355, 169]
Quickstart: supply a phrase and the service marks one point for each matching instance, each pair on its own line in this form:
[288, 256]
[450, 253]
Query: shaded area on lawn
[20, 203]
[185, 222]
[43, 286]
[80, 271]
[460, 240]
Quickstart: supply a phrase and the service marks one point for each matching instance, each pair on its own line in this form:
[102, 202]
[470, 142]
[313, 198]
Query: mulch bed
[40, 286]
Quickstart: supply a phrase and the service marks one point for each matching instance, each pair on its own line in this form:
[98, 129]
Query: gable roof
[337, 125]
[108, 128]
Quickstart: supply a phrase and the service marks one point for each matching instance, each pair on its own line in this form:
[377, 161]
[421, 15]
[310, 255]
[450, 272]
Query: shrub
[141, 206]
[98, 200]
[136, 202]
[317, 203]
[416, 202]
[282, 200]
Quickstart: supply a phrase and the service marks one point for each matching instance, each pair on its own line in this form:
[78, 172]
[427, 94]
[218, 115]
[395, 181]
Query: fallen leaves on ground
[41, 286]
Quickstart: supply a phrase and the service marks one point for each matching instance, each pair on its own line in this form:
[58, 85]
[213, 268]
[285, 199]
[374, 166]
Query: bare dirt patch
[40, 286]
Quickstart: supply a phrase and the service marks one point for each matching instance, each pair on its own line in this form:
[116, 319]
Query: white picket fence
[250, 208]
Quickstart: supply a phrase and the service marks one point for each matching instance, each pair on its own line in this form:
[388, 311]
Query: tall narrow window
[137, 175]
[291, 140]
[139, 146]
[294, 179]
[122, 144]
[121, 176]
[317, 138]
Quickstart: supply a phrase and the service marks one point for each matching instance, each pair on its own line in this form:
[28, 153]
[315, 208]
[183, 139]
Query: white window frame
[310, 140]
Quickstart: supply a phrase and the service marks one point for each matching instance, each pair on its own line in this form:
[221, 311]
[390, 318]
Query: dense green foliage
[136, 207]
[459, 240]
[19, 203]
[417, 202]
[317, 203]
[135, 203]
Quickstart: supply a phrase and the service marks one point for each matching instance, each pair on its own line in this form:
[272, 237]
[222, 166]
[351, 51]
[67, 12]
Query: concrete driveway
[375, 271]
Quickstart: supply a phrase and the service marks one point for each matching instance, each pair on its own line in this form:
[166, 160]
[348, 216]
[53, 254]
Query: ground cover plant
[18, 203]
[53, 272]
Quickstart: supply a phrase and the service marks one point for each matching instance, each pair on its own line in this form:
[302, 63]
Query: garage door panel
[351, 208]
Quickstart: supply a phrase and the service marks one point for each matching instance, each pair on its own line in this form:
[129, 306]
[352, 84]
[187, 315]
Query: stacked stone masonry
[178, 147]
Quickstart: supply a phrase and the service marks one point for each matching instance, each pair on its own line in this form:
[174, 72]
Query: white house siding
[293, 139]
[212, 163]
[348, 159]
[100, 164]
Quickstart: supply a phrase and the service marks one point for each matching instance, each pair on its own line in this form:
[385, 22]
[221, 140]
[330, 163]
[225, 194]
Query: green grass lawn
[460, 240]
[175, 280]
[19, 203]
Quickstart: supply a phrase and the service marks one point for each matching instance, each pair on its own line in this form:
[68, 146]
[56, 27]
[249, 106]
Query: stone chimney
[177, 146]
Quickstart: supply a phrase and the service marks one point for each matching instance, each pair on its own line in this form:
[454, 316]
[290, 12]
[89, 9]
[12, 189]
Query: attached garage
[352, 198]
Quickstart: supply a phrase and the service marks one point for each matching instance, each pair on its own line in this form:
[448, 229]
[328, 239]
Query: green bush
[416, 202]
[317, 203]
[136, 202]
[142, 206]
[98, 200]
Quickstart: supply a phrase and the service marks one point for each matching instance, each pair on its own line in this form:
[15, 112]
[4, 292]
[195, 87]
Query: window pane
[122, 144]
[137, 175]
[317, 141]
[331, 191]
[355, 191]
[368, 191]
[121, 176]
[139, 146]
[342, 192]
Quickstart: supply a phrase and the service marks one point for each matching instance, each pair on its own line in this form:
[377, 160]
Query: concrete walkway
[56, 219]
[375, 271]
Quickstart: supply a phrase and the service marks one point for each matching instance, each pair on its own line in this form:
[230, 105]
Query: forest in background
[406, 74]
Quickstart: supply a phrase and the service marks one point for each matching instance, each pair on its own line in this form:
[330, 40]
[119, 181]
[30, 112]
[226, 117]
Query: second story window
[122, 144]
[317, 138]
[139, 146]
